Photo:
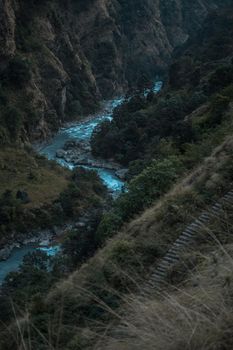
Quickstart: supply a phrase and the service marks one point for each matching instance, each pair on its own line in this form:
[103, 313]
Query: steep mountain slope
[201, 68]
[64, 56]
[185, 166]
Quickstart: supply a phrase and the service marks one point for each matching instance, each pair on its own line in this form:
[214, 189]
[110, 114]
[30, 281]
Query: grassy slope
[42, 180]
[195, 310]
[90, 298]
[198, 316]
[54, 195]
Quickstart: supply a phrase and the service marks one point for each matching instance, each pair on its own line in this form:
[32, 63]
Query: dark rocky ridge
[83, 51]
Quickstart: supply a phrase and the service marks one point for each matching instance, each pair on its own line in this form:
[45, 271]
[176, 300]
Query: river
[17, 255]
[81, 131]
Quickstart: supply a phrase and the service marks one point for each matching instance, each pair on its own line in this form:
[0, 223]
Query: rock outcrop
[83, 51]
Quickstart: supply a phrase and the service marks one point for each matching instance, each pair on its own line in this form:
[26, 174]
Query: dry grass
[195, 315]
[150, 235]
[47, 182]
[193, 318]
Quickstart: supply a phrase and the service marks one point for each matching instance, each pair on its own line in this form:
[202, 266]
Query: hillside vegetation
[38, 194]
[161, 138]
[194, 313]
[87, 303]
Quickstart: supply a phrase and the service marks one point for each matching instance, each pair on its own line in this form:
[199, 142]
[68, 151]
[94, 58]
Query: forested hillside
[169, 134]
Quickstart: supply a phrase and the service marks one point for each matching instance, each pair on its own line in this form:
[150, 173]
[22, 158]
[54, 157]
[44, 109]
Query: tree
[149, 185]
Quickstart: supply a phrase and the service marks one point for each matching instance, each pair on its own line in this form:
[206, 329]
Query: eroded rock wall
[83, 51]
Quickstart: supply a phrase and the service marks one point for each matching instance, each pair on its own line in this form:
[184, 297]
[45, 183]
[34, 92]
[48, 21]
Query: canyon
[79, 53]
[116, 174]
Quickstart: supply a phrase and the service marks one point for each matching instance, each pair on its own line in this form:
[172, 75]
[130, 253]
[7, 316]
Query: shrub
[81, 243]
[122, 253]
[149, 185]
[8, 208]
[110, 224]
[105, 140]
[70, 200]
[85, 190]
[143, 190]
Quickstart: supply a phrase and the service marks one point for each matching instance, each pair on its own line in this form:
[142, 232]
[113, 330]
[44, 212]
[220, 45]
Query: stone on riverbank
[122, 173]
[61, 153]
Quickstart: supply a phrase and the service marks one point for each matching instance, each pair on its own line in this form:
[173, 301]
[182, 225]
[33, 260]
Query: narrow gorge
[116, 174]
[90, 50]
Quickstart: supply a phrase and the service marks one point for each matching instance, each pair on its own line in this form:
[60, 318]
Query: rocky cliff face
[80, 52]
[7, 30]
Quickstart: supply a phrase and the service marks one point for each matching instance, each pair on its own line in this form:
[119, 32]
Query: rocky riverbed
[71, 148]
[48, 241]
[43, 238]
[79, 153]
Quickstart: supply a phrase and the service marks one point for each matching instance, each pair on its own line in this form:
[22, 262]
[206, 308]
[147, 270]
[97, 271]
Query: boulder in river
[81, 160]
[60, 153]
[121, 173]
[70, 144]
[75, 146]
[5, 253]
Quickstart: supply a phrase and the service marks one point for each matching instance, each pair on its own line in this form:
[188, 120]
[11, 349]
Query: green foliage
[70, 199]
[149, 186]
[150, 180]
[109, 225]
[8, 208]
[196, 75]
[122, 253]
[34, 277]
[142, 191]
[85, 187]
[134, 130]
[111, 138]
[81, 243]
